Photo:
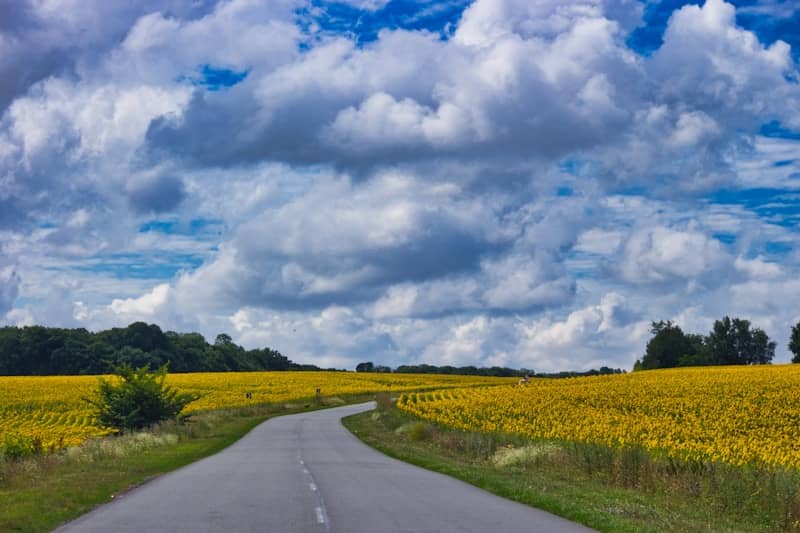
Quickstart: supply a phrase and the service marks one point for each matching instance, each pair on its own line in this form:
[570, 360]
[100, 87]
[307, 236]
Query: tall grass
[22, 458]
[754, 495]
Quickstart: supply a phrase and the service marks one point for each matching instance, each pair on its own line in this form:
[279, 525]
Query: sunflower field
[733, 415]
[52, 411]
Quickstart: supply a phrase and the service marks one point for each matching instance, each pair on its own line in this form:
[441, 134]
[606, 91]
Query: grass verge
[37, 493]
[607, 490]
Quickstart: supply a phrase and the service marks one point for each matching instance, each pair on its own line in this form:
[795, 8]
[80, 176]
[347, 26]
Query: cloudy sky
[524, 183]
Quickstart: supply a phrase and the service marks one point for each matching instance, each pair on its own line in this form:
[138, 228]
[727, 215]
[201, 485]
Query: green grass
[38, 493]
[597, 488]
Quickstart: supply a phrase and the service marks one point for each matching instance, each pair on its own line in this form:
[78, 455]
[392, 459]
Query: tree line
[731, 341]
[39, 350]
[494, 371]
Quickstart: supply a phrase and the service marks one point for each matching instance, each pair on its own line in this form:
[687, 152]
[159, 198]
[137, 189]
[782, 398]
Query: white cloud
[708, 62]
[383, 121]
[758, 268]
[599, 241]
[691, 129]
[463, 344]
[146, 305]
[100, 118]
[660, 254]
[368, 5]
[522, 281]
[150, 31]
[605, 327]
[9, 287]
[341, 240]
[394, 200]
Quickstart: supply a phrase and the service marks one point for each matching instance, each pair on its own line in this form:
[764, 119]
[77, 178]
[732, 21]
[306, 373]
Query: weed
[16, 447]
[383, 401]
[612, 489]
[419, 431]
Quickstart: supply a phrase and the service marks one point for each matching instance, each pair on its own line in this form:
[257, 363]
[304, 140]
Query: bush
[383, 401]
[139, 398]
[419, 431]
[19, 447]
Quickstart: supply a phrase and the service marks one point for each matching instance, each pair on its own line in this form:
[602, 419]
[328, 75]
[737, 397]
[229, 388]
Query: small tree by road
[137, 398]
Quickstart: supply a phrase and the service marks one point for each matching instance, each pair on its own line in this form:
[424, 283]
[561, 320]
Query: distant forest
[43, 351]
[497, 371]
[39, 351]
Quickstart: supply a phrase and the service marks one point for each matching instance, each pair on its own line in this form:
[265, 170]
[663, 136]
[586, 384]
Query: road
[306, 473]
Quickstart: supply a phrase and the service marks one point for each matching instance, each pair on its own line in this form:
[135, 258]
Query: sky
[523, 183]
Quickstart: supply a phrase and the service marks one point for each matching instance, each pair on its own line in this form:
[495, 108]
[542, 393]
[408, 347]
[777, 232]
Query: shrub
[383, 401]
[419, 431]
[18, 447]
[139, 398]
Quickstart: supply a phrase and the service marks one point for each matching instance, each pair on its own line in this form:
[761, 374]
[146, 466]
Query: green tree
[137, 398]
[38, 350]
[733, 342]
[10, 350]
[187, 351]
[794, 343]
[667, 348]
[368, 366]
[698, 354]
[230, 355]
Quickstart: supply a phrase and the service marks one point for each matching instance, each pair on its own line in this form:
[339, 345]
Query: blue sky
[497, 182]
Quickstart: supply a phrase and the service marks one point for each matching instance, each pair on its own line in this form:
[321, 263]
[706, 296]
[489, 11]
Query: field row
[735, 415]
[52, 409]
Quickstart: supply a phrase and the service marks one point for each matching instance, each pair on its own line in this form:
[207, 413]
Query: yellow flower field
[51, 408]
[735, 415]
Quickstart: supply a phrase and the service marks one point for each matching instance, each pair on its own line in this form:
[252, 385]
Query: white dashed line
[320, 511]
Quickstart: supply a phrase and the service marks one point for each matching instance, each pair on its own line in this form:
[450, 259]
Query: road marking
[319, 509]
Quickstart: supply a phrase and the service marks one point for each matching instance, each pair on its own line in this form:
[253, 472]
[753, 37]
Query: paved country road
[307, 473]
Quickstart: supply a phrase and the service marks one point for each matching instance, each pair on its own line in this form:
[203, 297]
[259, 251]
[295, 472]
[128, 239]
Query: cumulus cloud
[145, 305]
[510, 93]
[758, 268]
[382, 121]
[343, 242]
[522, 282]
[9, 288]
[520, 188]
[716, 67]
[519, 79]
[607, 326]
[155, 193]
[663, 255]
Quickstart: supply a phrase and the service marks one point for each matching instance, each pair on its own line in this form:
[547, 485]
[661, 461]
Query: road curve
[306, 473]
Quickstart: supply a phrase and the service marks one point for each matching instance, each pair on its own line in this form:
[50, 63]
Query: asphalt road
[307, 473]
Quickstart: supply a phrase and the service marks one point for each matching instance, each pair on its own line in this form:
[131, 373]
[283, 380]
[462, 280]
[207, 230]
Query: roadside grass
[40, 490]
[609, 490]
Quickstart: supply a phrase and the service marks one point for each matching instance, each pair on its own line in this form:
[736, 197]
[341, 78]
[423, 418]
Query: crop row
[734, 415]
[53, 410]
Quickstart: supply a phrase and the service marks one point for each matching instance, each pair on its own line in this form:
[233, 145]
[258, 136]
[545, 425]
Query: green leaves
[794, 343]
[137, 398]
